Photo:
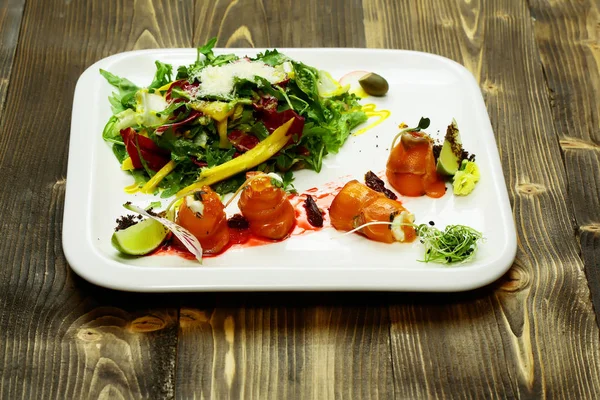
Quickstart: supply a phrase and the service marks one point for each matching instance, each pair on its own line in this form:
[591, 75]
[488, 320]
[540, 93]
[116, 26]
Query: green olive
[374, 84]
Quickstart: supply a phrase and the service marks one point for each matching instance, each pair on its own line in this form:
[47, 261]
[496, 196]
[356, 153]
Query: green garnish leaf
[423, 123]
[457, 243]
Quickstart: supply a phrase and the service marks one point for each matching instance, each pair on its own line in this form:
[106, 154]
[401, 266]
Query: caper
[374, 84]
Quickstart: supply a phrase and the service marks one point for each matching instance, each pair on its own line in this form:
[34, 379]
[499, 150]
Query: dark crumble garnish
[151, 212]
[373, 181]
[437, 149]
[126, 221]
[237, 221]
[451, 137]
[313, 212]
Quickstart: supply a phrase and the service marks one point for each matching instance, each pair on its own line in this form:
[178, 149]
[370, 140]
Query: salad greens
[219, 108]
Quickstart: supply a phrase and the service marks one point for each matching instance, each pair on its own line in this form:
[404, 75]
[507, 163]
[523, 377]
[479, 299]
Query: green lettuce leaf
[125, 97]
[163, 75]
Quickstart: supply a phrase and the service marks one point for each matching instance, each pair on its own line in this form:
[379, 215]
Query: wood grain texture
[284, 346]
[530, 335]
[568, 36]
[280, 23]
[61, 337]
[543, 317]
[11, 12]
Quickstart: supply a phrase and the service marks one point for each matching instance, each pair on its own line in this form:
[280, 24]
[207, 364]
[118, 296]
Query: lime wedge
[141, 238]
[448, 162]
[449, 159]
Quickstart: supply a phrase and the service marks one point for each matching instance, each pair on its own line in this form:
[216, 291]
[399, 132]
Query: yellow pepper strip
[222, 129]
[261, 153]
[131, 189]
[127, 164]
[164, 88]
[150, 186]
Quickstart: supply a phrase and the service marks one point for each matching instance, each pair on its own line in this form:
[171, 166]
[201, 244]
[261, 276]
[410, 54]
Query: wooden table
[532, 334]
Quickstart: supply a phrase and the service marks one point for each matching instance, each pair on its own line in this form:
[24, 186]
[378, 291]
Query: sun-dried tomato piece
[237, 221]
[373, 182]
[313, 213]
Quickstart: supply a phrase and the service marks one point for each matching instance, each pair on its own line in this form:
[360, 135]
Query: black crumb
[125, 222]
[151, 212]
[431, 223]
[437, 149]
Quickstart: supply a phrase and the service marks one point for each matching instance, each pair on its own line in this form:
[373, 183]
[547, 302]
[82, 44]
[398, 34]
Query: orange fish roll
[203, 214]
[267, 209]
[411, 167]
[356, 205]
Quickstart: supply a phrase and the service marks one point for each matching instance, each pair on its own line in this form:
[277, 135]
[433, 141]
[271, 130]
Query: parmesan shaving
[219, 80]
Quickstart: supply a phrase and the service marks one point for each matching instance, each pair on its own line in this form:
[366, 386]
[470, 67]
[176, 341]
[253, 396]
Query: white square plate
[420, 85]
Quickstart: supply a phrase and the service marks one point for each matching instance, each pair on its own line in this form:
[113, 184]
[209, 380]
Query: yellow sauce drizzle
[360, 92]
[370, 110]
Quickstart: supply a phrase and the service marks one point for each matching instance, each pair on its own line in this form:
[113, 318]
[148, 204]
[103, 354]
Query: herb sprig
[455, 244]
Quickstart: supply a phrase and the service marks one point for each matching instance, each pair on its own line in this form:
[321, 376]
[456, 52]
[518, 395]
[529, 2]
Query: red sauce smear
[243, 238]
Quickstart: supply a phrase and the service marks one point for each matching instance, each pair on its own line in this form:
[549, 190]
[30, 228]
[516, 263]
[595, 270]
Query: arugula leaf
[260, 131]
[272, 57]
[180, 146]
[125, 97]
[230, 185]
[162, 76]
[206, 51]
[216, 156]
[224, 59]
[184, 174]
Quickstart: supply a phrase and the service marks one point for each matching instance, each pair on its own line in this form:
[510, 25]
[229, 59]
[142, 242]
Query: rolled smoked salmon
[356, 205]
[267, 209]
[411, 167]
[203, 214]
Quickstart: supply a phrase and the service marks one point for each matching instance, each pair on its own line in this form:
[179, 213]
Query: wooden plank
[569, 42]
[280, 23]
[533, 334]
[61, 337]
[11, 12]
[284, 346]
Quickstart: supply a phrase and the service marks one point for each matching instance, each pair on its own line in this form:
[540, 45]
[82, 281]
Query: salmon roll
[411, 167]
[356, 205]
[203, 214]
[268, 210]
